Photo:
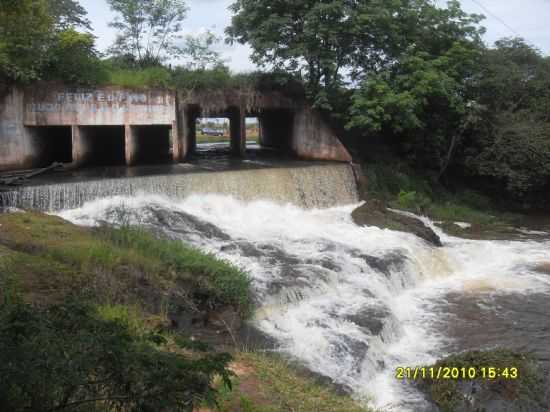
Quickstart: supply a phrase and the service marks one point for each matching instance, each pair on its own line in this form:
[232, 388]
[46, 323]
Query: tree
[199, 51]
[323, 41]
[26, 32]
[74, 59]
[38, 40]
[68, 14]
[509, 148]
[148, 29]
[310, 38]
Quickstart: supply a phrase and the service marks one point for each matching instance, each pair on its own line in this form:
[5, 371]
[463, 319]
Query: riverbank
[145, 299]
[460, 212]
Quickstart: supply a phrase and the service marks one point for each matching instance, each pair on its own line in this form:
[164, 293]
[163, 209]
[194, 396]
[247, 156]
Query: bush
[416, 202]
[139, 78]
[74, 357]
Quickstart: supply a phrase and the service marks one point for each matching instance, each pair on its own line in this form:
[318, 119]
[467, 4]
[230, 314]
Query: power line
[493, 15]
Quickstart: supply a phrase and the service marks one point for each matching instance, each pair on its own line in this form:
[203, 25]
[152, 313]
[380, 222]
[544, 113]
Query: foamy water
[351, 303]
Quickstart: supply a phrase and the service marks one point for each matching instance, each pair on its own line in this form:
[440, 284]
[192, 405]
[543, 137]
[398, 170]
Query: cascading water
[315, 185]
[353, 303]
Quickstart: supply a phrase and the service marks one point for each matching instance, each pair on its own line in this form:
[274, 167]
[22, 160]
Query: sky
[529, 19]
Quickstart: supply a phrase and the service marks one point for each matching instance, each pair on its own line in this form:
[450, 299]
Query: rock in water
[376, 214]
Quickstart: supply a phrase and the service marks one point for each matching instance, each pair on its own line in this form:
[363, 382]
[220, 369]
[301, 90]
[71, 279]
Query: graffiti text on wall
[98, 102]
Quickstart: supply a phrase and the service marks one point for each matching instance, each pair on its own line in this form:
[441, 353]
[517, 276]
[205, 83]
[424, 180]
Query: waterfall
[306, 186]
[350, 303]
[353, 303]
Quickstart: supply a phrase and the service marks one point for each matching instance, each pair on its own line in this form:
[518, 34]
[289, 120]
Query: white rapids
[351, 303]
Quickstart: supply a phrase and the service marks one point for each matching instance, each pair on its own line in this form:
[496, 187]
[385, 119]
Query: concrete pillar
[130, 145]
[237, 127]
[192, 140]
[176, 143]
[79, 146]
[187, 131]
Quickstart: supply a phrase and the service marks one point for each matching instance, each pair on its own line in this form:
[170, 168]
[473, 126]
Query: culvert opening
[52, 144]
[212, 134]
[276, 128]
[252, 132]
[102, 145]
[153, 144]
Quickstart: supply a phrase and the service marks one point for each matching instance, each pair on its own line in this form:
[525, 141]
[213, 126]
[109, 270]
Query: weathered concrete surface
[313, 139]
[17, 150]
[287, 124]
[25, 112]
[110, 106]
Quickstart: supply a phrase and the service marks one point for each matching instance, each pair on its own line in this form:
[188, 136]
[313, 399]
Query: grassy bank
[268, 383]
[90, 320]
[400, 187]
[48, 257]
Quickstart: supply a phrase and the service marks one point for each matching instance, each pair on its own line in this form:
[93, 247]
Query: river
[353, 303]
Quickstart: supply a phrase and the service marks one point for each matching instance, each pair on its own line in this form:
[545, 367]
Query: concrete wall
[286, 124]
[110, 106]
[313, 139]
[17, 150]
[24, 111]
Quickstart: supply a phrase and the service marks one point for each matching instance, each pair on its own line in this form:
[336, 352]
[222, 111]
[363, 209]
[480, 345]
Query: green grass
[271, 384]
[402, 188]
[49, 257]
[150, 77]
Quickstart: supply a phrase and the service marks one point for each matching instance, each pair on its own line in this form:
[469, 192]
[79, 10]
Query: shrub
[138, 78]
[74, 357]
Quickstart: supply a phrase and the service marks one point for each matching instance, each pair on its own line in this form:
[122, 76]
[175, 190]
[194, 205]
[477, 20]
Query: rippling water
[353, 303]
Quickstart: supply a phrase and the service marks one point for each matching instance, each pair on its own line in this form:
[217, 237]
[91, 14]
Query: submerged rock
[543, 268]
[376, 214]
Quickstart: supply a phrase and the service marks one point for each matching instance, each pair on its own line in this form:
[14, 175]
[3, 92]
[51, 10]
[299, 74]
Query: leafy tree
[26, 31]
[323, 41]
[148, 29]
[509, 148]
[199, 51]
[38, 40]
[310, 38]
[68, 14]
[73, 58]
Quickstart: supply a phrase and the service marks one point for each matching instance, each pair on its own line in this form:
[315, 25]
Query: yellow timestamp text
[456, 373]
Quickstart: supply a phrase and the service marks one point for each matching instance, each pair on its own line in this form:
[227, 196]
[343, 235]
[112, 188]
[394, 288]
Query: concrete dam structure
[107, 126]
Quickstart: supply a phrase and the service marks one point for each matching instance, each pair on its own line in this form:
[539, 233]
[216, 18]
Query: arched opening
[252, 133]
[213, 135]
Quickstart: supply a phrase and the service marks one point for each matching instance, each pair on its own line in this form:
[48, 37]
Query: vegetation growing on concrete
[528, 392]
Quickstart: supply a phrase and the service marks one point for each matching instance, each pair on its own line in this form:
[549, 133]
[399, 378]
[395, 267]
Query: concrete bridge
[49, 123]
